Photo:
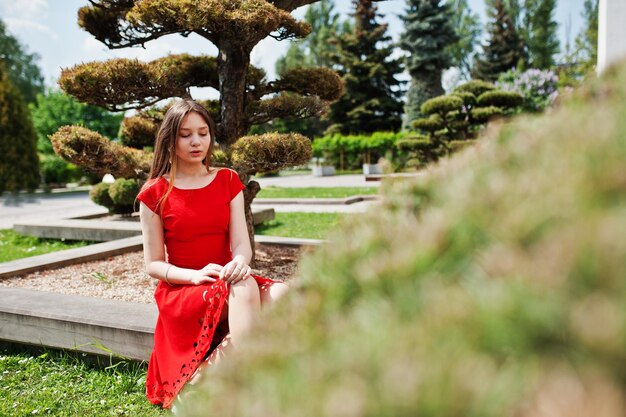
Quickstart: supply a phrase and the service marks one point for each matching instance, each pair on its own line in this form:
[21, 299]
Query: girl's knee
[272, 292]
[278, 289]
[246, 290]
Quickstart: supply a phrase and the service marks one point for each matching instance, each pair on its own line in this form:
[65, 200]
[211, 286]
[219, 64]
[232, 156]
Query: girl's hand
[235, 271]
[209, 273]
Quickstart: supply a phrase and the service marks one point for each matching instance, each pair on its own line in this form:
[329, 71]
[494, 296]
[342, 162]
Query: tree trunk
[233, 61]
[252, 188]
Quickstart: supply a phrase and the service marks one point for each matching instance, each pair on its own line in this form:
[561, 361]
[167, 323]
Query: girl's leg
[244, 304]
[272, 292]
[217, 355]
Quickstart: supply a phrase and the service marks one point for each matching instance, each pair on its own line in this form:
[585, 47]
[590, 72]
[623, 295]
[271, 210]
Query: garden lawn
[298, 224]
[16, 246]
[55, 384]
[315, 192]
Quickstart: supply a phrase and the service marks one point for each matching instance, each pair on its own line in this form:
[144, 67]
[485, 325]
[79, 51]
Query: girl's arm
[238, 268]
[154, 255]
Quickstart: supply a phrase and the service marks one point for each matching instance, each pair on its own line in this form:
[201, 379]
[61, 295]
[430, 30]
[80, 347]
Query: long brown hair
[165, 144]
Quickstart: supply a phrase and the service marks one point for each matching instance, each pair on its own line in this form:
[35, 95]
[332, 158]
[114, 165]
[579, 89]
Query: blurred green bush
[492, 286]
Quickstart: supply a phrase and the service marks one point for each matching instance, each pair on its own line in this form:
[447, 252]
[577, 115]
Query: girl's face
[193, 139]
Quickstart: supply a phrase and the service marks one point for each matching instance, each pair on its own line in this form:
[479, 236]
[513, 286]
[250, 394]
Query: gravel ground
[122, 278]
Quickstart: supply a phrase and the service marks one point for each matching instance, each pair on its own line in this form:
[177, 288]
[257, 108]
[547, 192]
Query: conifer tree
[19, 166]
[372, 98]
[504, 49]
[428, 35]
[540, 33]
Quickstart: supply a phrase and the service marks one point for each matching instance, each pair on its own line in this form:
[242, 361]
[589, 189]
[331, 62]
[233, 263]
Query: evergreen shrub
[99, 194]
[123, 191]
[118, 197]
[441, 105]
[432, 124]
[491, 286]
[475, 87]
[483, 114]
[496, 98]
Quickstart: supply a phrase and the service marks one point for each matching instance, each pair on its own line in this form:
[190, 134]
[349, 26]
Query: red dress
[195, 224]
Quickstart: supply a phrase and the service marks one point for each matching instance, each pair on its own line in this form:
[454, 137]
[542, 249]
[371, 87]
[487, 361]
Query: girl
[196, 243]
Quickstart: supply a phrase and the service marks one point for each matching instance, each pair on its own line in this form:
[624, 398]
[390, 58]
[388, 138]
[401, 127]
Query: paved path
[43, 207]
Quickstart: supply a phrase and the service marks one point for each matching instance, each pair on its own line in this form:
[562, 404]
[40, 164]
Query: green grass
[315, 192]
[297, 224]
[348, 172]
[55, 384]
[16, 246]
[292, 172]
[283, 173]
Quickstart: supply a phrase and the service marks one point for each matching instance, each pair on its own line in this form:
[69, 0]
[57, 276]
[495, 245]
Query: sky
[49, 28]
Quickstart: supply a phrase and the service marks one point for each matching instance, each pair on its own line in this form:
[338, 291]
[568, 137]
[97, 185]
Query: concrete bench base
[84, 324]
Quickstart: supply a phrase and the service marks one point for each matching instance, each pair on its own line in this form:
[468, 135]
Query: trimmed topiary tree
[246, 97]
[19, 166]
[454, 120]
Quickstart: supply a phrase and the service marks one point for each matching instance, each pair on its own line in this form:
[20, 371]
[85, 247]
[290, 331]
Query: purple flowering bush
[538, 87]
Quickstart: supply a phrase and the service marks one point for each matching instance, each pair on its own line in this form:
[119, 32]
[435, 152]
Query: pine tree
[540, 33]
[428, 35]
[19, 166]
[504, 49]
[372, 98]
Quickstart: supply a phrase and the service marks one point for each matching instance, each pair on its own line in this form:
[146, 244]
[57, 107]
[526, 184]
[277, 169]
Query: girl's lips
[196, 153]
